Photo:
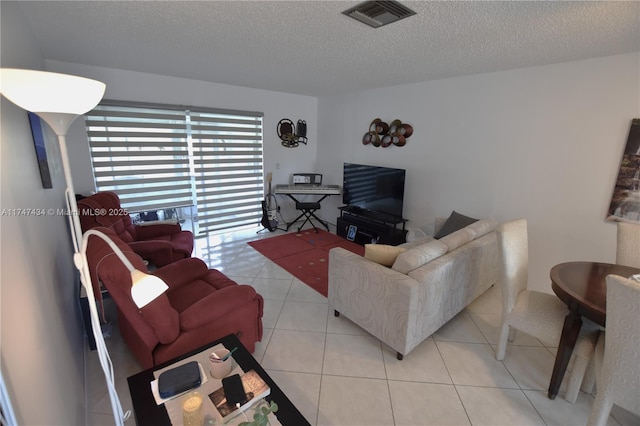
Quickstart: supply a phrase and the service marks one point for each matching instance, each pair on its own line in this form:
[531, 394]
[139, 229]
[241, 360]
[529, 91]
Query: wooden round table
[582, 286]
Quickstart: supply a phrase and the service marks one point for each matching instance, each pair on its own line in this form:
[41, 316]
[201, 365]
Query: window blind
[228, 169]
[163, 156]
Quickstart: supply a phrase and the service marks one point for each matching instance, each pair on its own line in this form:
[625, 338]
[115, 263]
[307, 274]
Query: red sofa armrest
[216, 305]
[184, 271]
[149, 232]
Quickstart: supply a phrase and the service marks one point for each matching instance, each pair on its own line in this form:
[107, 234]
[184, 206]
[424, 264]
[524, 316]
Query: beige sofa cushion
[483, 226]
[418, 256]
[458, 238]
[382, 253]
[416, 243]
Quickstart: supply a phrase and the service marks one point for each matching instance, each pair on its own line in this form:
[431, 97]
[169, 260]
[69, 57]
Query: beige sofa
[427, 285]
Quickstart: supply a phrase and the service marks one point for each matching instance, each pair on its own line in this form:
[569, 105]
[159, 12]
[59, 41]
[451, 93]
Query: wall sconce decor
[292, 135]
[385, 135]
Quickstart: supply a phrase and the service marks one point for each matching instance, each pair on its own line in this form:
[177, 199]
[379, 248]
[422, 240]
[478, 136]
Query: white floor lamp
[59, 99]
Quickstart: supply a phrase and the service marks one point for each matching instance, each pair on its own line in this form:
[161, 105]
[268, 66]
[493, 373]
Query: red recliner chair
[160, 244]
[201, 305]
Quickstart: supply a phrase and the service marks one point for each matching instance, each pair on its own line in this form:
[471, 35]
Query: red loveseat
[201, 305]
[160, 244]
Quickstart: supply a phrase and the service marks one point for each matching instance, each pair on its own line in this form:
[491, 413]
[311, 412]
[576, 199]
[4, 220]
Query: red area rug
[305, 255]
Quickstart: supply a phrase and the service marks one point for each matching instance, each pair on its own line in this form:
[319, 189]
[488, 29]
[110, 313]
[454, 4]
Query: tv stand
[368, 226]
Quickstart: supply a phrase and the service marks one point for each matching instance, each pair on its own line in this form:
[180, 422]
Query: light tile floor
[337, 374]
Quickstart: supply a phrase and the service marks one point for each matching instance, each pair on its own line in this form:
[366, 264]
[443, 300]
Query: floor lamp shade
[57, 98]
[145, 288]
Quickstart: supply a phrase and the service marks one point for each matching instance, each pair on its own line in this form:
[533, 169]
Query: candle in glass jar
[192, 410]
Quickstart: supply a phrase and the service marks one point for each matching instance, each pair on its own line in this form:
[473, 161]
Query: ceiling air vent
[379, 13]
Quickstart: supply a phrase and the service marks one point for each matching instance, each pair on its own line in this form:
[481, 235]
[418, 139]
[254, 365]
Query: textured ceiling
[310, 48]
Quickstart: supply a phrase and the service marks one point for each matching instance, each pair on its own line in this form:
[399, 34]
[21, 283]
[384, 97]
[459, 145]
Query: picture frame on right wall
[625, 201]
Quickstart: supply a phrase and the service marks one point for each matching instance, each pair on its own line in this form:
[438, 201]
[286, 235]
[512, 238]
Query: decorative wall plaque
[385, 135]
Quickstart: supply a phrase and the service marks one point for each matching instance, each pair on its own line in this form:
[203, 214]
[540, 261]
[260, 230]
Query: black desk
[148, 413]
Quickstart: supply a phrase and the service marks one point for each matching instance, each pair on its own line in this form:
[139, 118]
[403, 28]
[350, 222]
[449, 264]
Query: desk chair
[308, 212]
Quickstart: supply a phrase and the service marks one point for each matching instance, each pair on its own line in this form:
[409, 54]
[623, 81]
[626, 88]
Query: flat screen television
[373, 189]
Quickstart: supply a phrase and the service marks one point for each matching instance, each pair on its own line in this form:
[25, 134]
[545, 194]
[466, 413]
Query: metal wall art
[385, 135]
[292, 135]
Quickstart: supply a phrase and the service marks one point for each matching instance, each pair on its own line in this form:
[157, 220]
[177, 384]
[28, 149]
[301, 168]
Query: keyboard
[308, 189]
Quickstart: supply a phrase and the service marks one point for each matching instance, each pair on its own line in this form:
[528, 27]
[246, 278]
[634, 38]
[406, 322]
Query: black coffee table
[148, 413]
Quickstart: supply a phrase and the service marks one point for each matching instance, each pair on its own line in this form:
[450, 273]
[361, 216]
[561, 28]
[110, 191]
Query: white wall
[42, 338]
[541, 143]
[142, 87]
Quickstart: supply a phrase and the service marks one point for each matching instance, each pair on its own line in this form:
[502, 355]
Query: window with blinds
[159, 156]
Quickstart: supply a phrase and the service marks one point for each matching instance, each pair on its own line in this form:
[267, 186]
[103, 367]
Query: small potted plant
[261, 414]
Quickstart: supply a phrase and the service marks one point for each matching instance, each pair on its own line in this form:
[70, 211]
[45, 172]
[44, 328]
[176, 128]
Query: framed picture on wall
[41, 151]
[625, 201]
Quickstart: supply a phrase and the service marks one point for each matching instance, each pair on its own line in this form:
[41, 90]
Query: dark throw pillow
[455, 222]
